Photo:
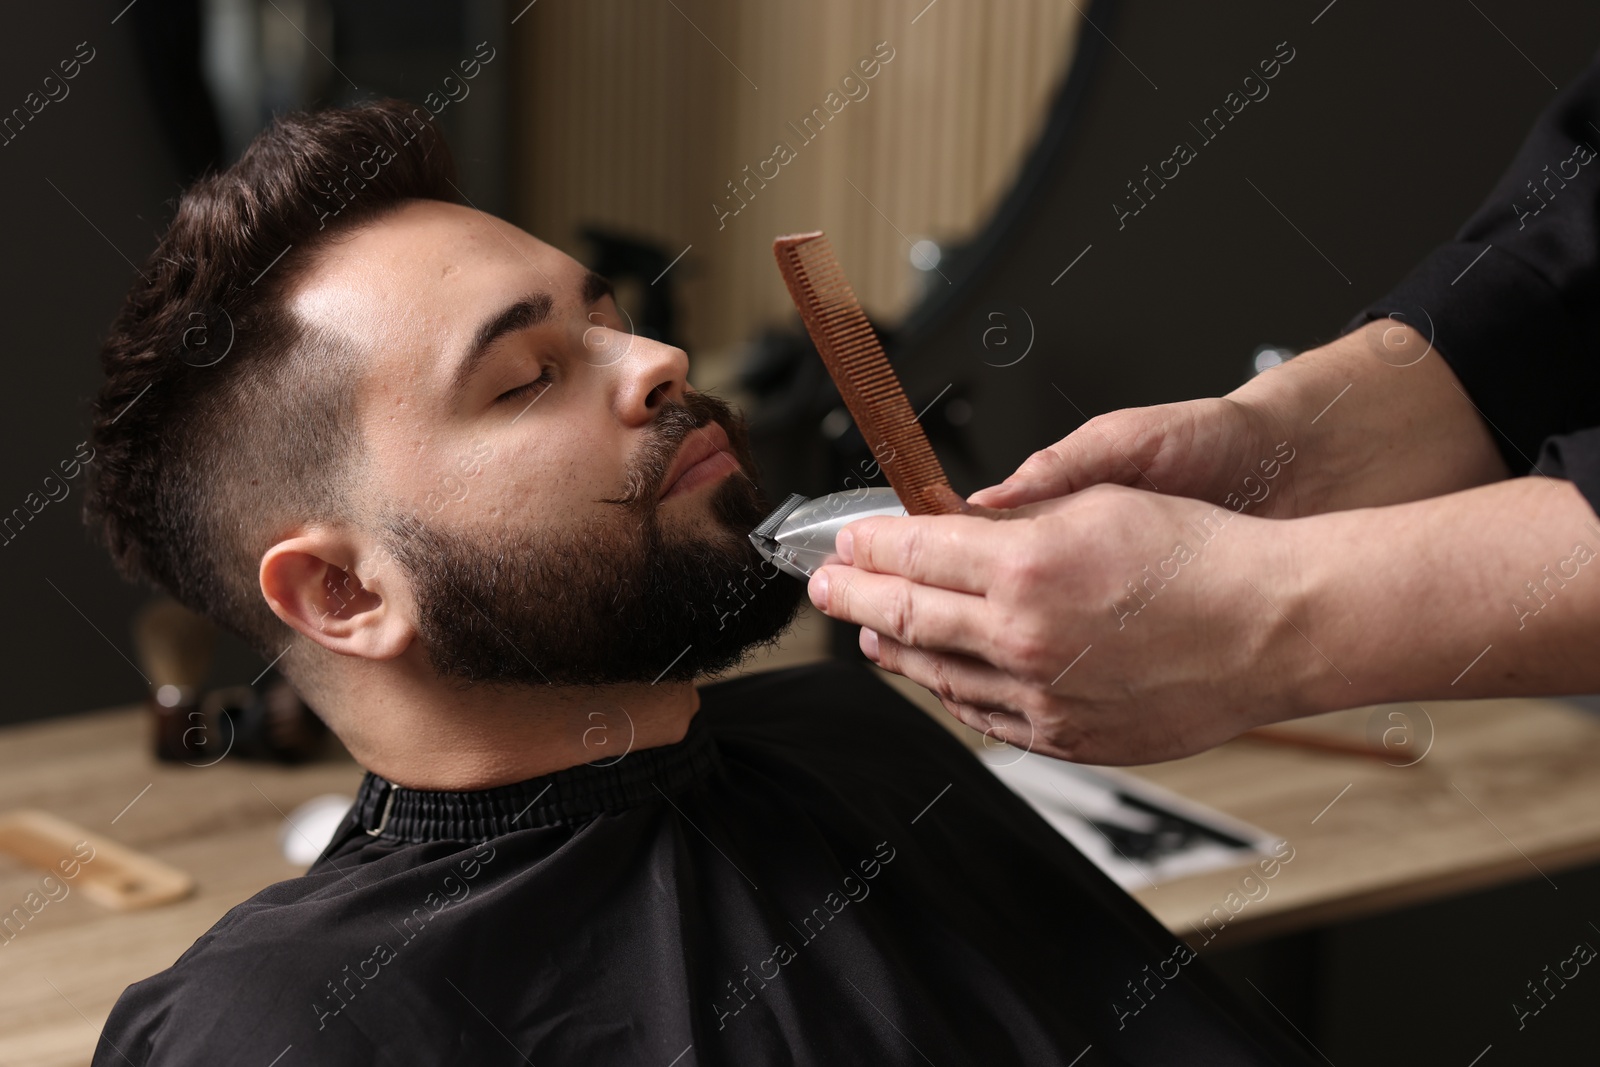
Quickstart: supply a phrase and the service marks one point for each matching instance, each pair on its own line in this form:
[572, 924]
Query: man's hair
[224, 419]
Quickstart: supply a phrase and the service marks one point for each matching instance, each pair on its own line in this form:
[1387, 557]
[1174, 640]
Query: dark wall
[83, 191]
[1386, 130]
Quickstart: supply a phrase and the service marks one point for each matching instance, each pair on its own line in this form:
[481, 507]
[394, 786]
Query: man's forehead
[426, 269]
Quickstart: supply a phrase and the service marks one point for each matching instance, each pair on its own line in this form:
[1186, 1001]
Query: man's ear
[313, 582]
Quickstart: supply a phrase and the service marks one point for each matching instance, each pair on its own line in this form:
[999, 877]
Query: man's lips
[703, 456]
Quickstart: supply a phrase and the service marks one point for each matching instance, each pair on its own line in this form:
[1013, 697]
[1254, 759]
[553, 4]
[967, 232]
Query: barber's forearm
[1374, 424]
[1489, 592]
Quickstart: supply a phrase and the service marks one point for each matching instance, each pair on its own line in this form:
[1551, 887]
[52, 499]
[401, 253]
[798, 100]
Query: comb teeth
[855, 360]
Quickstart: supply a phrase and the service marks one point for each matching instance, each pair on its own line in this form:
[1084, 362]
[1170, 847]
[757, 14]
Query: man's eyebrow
[523, 313]
[529, 311]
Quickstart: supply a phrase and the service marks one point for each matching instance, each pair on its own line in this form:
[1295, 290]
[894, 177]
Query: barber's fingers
[920, 615]
[995, 724]
[1075, 462]
[1037, 479]
[959, 552]
[981, 696]
[1115, 448]
[995, 704]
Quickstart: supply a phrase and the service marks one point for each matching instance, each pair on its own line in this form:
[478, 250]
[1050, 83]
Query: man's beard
[614, 600]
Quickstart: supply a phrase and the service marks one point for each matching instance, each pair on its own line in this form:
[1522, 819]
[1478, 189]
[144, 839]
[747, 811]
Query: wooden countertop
[60, 975]
[1509, 790]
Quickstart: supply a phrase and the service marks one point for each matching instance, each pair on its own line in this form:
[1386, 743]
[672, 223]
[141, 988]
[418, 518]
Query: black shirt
[817, 874]
[1514, 300]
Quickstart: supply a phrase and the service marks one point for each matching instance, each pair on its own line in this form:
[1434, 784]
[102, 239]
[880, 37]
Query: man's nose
[648, 374]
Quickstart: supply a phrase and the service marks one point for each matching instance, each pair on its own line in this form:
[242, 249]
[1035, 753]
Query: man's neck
[405, 725]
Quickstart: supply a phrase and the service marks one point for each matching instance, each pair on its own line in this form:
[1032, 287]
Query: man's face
[566, 509]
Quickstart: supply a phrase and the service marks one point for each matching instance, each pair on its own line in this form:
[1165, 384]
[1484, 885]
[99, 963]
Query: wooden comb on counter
[110, 874]
[858, 366]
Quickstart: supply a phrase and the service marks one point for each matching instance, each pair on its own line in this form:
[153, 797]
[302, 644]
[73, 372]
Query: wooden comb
[110, 874]
[857, 365]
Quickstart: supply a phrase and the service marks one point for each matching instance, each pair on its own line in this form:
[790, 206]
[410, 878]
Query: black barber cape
[1513, 302]
[817, 874]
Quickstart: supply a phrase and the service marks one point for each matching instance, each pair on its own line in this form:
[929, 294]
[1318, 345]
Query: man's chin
[698, 522]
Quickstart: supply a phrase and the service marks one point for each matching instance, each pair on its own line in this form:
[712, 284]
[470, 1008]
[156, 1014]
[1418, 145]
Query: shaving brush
[175, 647]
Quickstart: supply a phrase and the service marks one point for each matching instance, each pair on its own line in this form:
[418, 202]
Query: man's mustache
[648, 467]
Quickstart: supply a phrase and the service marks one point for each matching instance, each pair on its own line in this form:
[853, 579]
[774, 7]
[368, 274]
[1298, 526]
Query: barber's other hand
[1203, 449]
[1112, 626]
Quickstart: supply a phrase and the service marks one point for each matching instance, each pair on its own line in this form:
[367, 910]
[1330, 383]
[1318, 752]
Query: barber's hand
[1205, 449]
[1376, 415]
[1111, 626]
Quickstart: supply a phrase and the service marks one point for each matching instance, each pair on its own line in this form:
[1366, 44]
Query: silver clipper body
[798, 536]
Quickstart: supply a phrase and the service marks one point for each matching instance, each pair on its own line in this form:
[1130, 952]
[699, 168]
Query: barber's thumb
[982, 511]
[1044, 475]
[995, 496]
[1014, 492]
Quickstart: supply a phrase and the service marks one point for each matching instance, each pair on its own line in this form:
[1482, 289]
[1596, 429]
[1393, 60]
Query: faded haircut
[225, 420]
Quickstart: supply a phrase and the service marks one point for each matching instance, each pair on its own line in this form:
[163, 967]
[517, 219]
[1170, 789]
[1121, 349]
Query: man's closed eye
[533, 388]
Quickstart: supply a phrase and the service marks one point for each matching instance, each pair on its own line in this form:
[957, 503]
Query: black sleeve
[1514, 300]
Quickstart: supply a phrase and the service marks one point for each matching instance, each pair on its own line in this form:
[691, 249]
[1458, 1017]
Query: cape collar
[574, 795]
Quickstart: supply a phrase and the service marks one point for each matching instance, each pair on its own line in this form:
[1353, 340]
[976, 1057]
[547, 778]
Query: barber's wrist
[1281, 579]
[1327, 604]
[1377, 417]
[1390, 599]
[1348, 609]
[1294, 400]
